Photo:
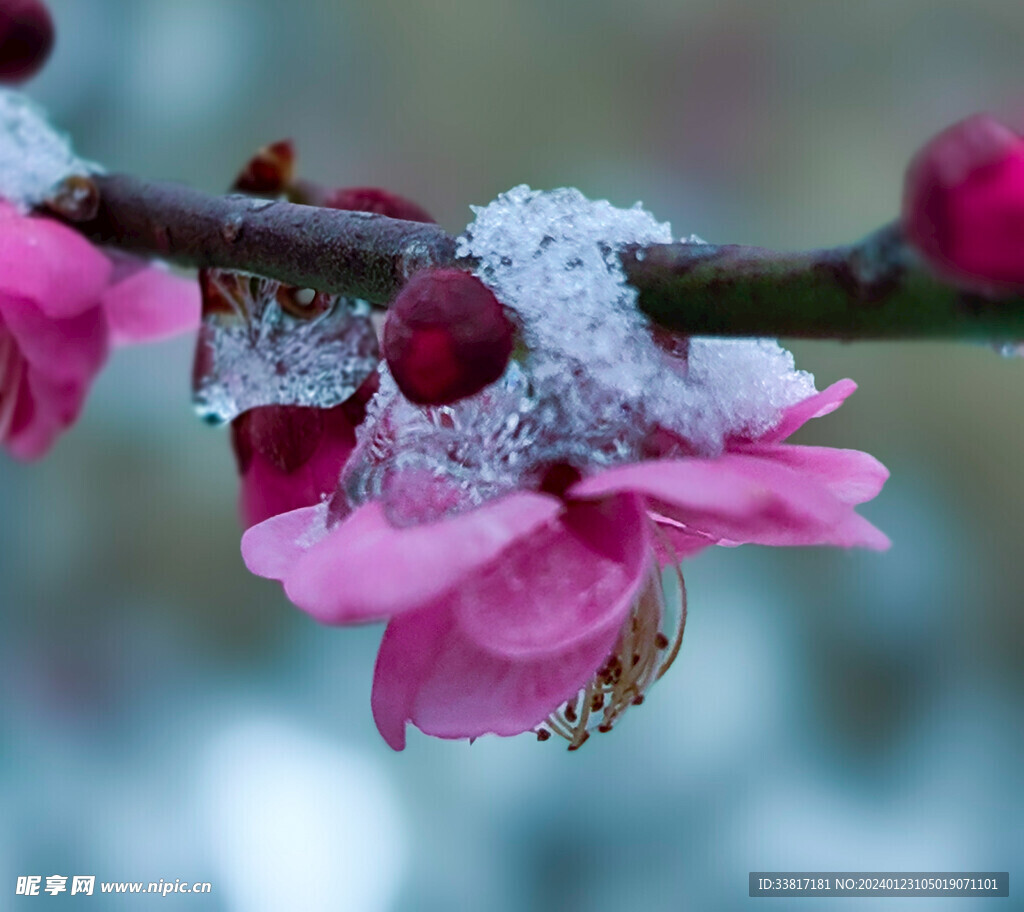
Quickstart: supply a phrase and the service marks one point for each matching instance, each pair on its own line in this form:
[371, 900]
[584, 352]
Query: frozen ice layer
[34, 157]
[594, 381]
[263, 343]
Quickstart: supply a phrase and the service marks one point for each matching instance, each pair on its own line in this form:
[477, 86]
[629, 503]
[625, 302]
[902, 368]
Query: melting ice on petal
[264, 343]
[595, 381]
[34, 157]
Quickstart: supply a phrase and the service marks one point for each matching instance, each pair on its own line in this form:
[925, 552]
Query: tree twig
[355, 253]
[875, 289]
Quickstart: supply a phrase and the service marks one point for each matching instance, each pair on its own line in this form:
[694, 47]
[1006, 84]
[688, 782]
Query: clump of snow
[595, 382]
[34, 157]
[553, 258]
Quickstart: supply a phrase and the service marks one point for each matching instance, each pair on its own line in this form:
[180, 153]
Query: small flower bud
[375, 199]
[446, 337]
[963, 204]
[26, 38]
[269, 172]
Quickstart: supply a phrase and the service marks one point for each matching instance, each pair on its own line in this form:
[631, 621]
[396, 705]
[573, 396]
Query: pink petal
[521, 634]
[736, 497]
[850, 531]
[266, 491]
[698, 486]
[70, 349]
[854, 477]
[365, 568]
[428, 672]
[54, 364]
[411, 645]
[809, 509]
[52, 266]
[568, 580]
[44, 410]
[796, 416]
[273, 547]
[470, 692]
[32, 429]
[151, 304]
[856, 532]
[279, 482]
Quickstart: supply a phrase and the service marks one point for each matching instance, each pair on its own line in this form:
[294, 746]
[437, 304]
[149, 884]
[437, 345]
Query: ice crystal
[34, 157]
[264, 343]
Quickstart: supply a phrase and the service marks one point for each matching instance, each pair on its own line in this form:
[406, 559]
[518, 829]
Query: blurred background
[166, 715]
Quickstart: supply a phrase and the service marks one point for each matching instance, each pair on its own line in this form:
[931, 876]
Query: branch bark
[354, 253]
[876, 289]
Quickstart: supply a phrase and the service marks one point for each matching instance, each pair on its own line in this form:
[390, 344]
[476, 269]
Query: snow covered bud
[26, 38]
[963, 204]
[446, 337]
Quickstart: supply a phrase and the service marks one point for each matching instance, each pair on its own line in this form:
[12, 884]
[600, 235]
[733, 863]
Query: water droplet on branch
[231, 229]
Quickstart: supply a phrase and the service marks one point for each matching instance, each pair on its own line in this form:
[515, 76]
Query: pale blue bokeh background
[165, 715]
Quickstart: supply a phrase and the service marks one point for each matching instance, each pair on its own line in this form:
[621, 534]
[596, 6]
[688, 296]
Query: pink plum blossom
[514, 539]
[63, 304]
[499, 613]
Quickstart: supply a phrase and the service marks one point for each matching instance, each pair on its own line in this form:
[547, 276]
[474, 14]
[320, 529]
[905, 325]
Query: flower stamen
[643, 653]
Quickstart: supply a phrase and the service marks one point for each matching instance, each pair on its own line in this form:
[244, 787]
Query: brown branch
[876, 289]
[355, 253]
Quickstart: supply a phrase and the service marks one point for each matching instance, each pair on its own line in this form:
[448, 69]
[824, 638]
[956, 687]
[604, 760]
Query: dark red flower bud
[446, 337]
[374, 199]
[26, 38]
[269, 172]
[963, 204]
